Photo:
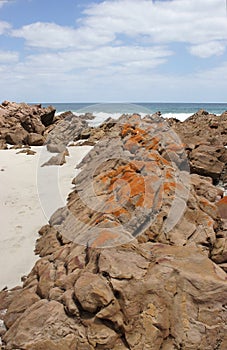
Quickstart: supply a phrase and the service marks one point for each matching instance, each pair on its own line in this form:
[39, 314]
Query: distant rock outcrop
[205, 136]
[21, 123]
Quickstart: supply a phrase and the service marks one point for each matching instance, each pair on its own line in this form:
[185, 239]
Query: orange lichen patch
[169, 174]
[158, 159]
[172, 185]
[120, 212]
[153, 143]
[131, 129]
[137, 186]
[169, 186]
[140, 202]
[222, 207]
[104, 178]
[103, 238]
[210, 223]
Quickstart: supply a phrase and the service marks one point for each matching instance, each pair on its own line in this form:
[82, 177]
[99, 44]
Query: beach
[25, 208]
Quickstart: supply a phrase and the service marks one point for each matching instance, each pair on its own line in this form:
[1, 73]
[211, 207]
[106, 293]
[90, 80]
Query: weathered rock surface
[68, 127]
[144, 296]
[205, 136]
[21, 123]
[137, 260]
[59, 159]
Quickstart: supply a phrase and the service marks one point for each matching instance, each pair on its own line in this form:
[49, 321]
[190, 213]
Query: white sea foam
[100, 117]
[179, 116]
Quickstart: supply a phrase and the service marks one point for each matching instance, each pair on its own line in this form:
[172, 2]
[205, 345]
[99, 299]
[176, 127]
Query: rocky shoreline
[138, 257]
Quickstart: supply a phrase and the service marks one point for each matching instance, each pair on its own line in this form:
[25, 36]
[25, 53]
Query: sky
[113, 50]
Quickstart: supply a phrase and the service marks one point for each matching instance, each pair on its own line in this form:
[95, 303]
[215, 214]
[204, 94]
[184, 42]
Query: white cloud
[208, 49]
[115, 51]
[188, 21]
[54, 36]
[102, 60]
[4, 26]
[8, 56]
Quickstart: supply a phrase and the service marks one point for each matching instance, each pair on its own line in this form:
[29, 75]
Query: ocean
[102, 111]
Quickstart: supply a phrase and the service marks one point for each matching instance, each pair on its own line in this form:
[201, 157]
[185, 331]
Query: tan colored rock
[24, 299]
[3, 144]
[16, 137]
[19, 120]
[56, 160]
[219, 251]
[46, 324]
[48, 242]
[159, 290]
[206, 164]
[34, 139]
[92, 291]
[46, 276]
[68, 299]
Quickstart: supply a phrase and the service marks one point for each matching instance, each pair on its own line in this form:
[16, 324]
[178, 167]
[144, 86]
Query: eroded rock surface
[137, 258]
[205, 136]
[21, 123]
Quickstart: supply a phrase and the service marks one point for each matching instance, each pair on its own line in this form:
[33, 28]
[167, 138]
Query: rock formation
[24, 124]
[136, 260]
[205, 136]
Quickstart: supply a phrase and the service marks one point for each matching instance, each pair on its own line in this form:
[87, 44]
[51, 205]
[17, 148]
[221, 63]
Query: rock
[204, 135]
[35, 139]
[222, 207]
[48, 242]
[47, 327]
[29, 152]
[47, 117]
[16, 137]
[87, 116]
[85, 134]
[56, 160]
[93, 292]
[204, 161]
[19, 120]
[66, 130]
[219, 251]
[46, 276]
[3, 144]
[180, 294]
[137, 258]
[24, 299]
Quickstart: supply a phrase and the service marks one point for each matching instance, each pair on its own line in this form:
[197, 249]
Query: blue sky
[113, 50]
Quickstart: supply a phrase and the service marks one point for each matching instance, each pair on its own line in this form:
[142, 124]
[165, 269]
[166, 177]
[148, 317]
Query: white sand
[29, 194]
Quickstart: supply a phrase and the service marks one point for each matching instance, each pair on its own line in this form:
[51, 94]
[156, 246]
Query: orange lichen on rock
[103, 238]
[169, 174]
[153, 143]
[169, 186]
[155, 156]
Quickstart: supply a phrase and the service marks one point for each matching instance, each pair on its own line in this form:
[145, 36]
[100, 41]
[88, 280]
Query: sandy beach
[26, 203]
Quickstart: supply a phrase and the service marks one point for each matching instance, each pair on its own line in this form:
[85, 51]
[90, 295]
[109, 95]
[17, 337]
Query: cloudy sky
[113, 50]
